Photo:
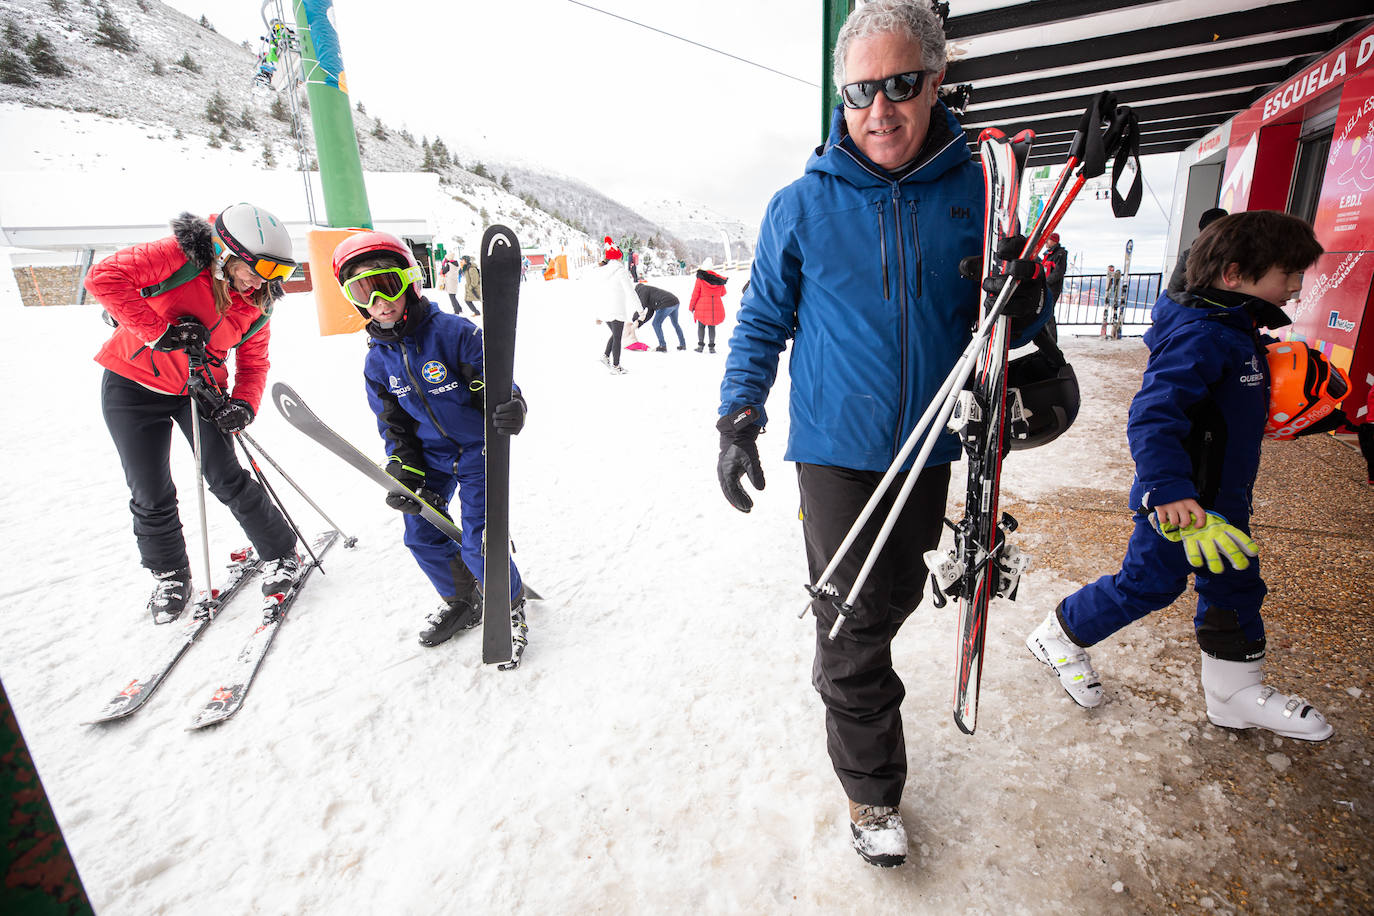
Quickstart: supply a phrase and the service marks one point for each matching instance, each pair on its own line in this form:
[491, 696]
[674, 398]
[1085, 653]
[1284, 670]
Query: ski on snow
[243, 565]
[500, 260]
[228, 697]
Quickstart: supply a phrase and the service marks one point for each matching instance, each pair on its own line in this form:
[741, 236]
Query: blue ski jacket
[861, 269]
[420, 385]
[1196, 425]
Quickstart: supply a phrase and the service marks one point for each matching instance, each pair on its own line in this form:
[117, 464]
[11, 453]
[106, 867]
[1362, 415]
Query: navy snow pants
[1153, 574]
[433, 549]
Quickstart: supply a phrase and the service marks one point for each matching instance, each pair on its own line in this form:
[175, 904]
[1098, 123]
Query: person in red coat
[707, 305]
[205, 292]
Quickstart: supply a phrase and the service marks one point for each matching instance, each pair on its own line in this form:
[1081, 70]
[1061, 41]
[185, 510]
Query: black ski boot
[171, 594]
[453, 615]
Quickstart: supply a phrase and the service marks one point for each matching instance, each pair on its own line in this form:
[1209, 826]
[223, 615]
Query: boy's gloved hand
[1209, 542]
[739, 455]
[509, 418]
[403, 503]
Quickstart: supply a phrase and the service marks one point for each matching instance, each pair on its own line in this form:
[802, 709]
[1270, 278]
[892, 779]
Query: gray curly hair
[912, 18]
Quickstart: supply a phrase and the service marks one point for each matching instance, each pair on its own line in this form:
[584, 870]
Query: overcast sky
[635, 113]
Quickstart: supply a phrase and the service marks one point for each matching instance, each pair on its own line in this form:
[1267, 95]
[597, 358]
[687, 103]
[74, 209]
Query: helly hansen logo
[959, 212]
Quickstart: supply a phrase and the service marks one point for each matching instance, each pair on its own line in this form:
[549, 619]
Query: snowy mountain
[701, 227]
[141, 63]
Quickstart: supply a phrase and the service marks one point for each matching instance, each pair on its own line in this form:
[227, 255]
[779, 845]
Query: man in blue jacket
[1195, 429]
[424, 381]
[858, 263]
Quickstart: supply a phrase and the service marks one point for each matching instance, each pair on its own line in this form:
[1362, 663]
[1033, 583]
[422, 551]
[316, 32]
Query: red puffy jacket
[116, 282]
[707, 296]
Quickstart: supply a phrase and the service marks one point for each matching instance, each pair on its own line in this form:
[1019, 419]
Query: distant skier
[220, 306]
[874, 333]
[616, 304]
[472, 283]
[707, 304]
[660, 305]
[1195, 430]
[423, 375]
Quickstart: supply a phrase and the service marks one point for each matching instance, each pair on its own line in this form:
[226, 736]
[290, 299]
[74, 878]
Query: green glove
[1216, 537]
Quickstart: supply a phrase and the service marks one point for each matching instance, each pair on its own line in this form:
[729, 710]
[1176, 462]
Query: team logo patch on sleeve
[434, 372]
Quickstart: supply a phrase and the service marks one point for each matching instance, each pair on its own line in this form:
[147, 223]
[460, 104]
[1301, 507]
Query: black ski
[500, 254]
[228, 697]
[294, 409]
[243, 564]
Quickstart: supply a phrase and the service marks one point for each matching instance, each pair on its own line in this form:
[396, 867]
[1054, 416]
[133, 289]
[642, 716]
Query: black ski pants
[140, 422]
[853, 673]
[613, 345]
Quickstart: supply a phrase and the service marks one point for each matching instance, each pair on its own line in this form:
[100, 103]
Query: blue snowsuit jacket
[1196, 425]
[419, 388]
[860, 269]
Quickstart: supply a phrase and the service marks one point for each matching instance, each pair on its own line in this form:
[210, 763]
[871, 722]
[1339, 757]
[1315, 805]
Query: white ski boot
[1070, 662]
[877, 834]
[1237, 699]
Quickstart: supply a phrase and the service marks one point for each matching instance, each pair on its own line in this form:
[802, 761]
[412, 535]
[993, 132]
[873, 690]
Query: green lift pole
[336, 144]
[833, 15]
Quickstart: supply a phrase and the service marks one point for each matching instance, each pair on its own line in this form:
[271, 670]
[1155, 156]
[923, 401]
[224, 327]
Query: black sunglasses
[898, 88]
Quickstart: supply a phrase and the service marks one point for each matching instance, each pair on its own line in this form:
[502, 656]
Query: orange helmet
[1304, 387]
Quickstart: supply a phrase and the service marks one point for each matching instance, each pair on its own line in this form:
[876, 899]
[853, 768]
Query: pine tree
[58, 6]
[205, 23]
[269, 159]
[278, 110]
[187, 62]
[110, 32]
[215, 142]
[247, 120]
[15, 70]
[505, 184]
[44, 57]
[480, 171]
[378, 130]
[13, 37]
[441, 156]
[214, 109]
[361, 109]
[429, 165]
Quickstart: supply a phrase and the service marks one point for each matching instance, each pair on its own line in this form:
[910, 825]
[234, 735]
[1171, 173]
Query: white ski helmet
[254, 236]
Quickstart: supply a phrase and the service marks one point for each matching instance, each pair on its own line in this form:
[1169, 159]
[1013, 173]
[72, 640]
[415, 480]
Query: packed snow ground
[660, 749]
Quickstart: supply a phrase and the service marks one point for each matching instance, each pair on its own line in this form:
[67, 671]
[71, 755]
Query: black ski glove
[509, 418]
[187, 334]
[1029, 296]
[233, 416]
[404, 503]
[739, 455]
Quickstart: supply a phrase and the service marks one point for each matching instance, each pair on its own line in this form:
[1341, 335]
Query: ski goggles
[387, 283]
[898, 88]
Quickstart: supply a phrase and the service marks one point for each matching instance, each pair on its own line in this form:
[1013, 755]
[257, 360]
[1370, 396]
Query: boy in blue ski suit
[1195, 430]
[423, 374]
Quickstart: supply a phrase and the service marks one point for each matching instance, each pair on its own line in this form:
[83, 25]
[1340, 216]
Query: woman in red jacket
[707, 305]
[205, 290]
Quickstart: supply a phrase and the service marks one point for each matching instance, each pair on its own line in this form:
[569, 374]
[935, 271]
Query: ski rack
[1105, 130]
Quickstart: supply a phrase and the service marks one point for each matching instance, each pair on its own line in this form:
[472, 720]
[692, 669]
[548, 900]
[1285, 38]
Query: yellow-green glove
[1208, 543]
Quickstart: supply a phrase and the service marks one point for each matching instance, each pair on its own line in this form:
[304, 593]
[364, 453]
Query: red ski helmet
[1304, 387]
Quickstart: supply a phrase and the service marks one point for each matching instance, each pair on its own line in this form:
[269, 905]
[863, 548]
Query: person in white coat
[617, 304]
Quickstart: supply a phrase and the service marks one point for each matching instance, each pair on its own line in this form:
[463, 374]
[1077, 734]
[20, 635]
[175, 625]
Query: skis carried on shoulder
[228, 697]
[243, 565]
[500, 256]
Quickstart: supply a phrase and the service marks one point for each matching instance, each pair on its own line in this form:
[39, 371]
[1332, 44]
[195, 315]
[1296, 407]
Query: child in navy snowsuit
[423, 375]
[1195, 430]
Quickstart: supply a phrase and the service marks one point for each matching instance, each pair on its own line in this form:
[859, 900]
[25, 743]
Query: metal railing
[1090, 299]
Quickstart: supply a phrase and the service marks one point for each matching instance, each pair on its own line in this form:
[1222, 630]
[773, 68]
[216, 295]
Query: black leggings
[613, 345]
[140, 422]
[702, 329]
